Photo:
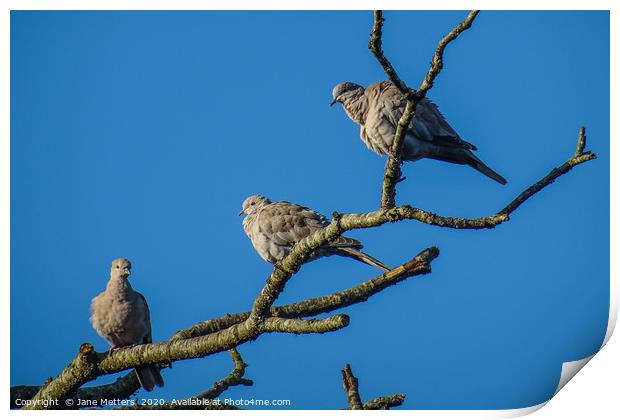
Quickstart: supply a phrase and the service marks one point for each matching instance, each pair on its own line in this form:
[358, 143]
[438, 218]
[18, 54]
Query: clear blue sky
[138, 134]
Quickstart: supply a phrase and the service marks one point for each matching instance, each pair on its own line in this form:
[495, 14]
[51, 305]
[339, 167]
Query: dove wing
[435, 128]
[146, 317]
[286, 223]
[428, 124]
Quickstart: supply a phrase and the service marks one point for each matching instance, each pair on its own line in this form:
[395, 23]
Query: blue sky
[139, 134]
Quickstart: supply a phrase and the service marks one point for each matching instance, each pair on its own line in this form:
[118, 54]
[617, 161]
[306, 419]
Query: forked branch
[393, 173]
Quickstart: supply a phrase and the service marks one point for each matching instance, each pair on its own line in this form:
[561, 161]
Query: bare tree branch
[315, 306]
[234, 378]
[89, 365]
[69, 380]
[207, 400]
[351, 386]
[124, 387]
[375, 45]
[578, 158]
[393, 173]
[437, 61]
[127, 385]
[385, 403]
[198, 347]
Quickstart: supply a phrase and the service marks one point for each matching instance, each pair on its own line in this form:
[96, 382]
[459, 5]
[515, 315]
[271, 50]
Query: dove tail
[361, 256]
[478, 165]
[149, 376]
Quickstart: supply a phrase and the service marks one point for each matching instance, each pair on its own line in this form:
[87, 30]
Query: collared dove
[121, 316]
[377, 110]
[274, 228]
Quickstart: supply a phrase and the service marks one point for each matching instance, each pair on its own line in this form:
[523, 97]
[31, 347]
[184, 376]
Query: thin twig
[207, 400]
[232, 379]
[578, 158]
[437, 61]
[375, 45]
[124, 387]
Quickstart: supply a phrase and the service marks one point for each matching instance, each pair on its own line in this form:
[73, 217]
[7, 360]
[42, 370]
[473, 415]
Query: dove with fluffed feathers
[377, 110]
[274, 228]
[121, 316]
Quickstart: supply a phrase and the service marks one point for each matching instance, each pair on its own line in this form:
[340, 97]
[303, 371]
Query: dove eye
[118, 266]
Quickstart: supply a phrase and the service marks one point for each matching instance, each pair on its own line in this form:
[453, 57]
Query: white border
[593, 395]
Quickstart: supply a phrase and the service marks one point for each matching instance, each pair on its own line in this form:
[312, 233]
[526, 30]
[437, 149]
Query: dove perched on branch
[377, 110]
[274, 228]
[121, 316]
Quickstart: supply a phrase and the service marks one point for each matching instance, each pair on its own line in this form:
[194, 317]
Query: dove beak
[126, 272]
[241, 212]
[333, 102]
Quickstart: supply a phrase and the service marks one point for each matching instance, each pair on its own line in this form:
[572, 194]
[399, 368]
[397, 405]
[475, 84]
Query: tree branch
[74, 375]
[122, 388]
[393, 173]
[375, 45]
[385, 403]
[315, 306]
[207, 400]
[89, 365]
[198, 347]
[578, 158]
[351, 386]
[232, 379]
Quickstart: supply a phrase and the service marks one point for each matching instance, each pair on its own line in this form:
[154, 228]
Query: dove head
[346, 91]
[121, 268]
[351, 96]
[253, 204]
